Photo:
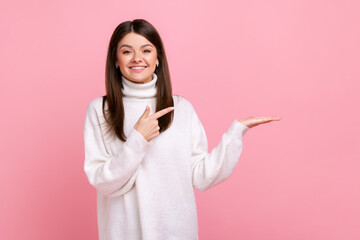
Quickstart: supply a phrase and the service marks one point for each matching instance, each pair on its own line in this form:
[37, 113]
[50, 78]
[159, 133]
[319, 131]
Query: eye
[126, 52]
[147, 51]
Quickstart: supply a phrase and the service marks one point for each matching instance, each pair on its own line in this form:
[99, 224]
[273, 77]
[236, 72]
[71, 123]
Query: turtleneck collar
[139, 90]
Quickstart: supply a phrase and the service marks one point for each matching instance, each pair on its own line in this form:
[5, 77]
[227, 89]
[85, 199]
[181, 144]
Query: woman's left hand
[254, 121]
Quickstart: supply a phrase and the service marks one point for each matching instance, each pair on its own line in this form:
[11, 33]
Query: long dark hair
[114, 115]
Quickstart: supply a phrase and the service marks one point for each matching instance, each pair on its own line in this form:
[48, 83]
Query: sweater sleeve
[209, 169]
[111, 175]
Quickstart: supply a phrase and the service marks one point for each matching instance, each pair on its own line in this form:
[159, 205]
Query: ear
[116, 64]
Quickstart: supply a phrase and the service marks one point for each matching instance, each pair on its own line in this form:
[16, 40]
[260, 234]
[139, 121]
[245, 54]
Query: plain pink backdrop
[297, 179]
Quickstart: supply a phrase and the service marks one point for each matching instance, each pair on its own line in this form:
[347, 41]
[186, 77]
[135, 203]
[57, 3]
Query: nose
[137, 57]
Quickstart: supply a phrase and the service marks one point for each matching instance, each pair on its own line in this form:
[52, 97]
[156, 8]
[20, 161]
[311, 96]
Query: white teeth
[137, 67]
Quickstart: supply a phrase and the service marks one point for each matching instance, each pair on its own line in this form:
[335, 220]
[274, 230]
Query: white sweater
[145, 189]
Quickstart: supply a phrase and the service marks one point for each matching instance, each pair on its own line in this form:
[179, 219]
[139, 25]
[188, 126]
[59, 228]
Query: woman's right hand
[148, 126]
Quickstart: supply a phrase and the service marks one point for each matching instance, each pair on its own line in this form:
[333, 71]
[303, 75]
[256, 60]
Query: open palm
[254, 121]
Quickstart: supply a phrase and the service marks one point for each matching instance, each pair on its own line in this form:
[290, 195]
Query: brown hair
[114, 115]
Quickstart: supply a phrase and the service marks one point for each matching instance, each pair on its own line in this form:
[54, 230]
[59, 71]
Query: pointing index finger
[161, 113]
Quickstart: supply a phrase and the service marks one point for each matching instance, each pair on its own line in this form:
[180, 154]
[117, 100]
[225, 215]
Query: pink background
[296, 179]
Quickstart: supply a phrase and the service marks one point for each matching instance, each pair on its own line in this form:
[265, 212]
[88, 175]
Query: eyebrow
[125, 45]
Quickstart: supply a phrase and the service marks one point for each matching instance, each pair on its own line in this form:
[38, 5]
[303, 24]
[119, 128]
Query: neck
[139, 90]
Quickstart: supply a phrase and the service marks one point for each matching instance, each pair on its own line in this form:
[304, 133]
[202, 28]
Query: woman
[146, 149]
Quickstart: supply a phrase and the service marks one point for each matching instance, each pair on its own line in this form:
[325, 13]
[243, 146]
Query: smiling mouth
[138, 67]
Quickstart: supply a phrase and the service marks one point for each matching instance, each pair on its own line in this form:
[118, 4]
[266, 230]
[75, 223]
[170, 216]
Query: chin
[140, 80]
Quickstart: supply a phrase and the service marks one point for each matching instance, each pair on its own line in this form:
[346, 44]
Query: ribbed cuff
[137, 141]
[238, 128]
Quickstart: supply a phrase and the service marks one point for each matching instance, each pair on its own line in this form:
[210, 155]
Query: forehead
[135, 40]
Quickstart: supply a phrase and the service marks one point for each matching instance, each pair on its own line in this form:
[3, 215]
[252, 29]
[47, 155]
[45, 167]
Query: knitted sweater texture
[145, 189]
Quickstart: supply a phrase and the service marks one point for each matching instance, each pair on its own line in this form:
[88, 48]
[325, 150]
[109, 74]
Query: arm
[111, 174]
[209, 169]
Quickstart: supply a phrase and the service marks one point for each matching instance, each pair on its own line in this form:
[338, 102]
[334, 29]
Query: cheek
[152, 59]
[122, 60]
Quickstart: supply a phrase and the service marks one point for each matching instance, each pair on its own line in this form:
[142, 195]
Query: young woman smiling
[146, 149]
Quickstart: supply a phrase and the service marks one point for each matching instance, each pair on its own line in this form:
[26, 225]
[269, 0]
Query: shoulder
[184, 107]
[180, 101]
[95, 105]
[96, 102]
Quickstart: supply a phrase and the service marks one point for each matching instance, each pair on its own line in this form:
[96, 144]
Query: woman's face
[136, 57]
